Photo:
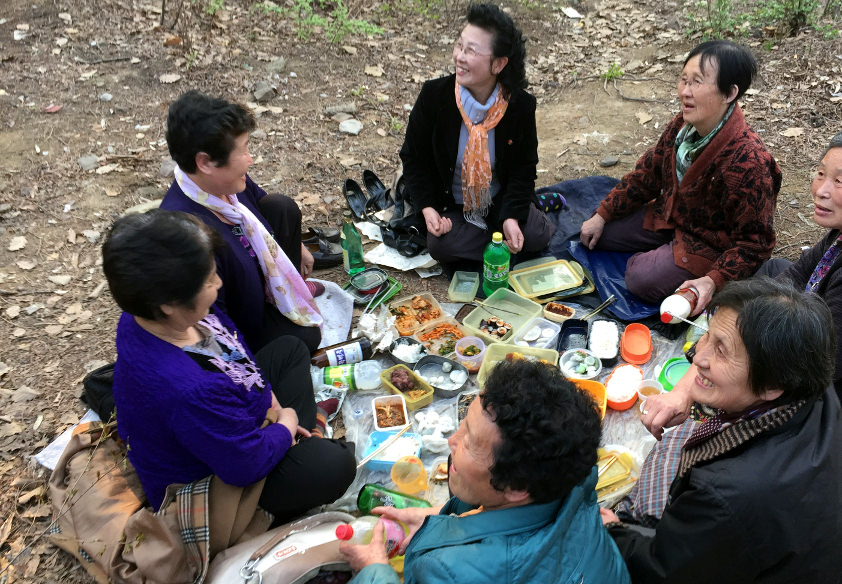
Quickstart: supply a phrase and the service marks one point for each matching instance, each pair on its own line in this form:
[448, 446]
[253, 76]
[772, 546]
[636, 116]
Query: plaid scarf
[688, 144]
[476, 160]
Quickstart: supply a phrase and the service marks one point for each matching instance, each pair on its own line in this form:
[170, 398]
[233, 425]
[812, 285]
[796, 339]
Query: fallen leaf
[752, 91]
[32, 565]
[382, 132]
[112, 191]
[106, 168]
[792, 132]
[17, 243]
[349, 49]
[42, 510]
[3, 370]
[29, 495]
[10, 429]
[60, 279]
[17, 333]
[26, 264]
[374, 71]
[169, 78]
[53, 329]
[643, 117]
[349, 162]
[52, 108]
[6, 529]
[24, 394]
[172, 41]
[13, 311]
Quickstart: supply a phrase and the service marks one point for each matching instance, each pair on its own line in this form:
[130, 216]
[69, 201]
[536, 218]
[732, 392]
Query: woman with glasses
[471, 148]
[698, 208]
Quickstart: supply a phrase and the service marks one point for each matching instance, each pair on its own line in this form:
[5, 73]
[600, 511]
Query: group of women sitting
[219, 319]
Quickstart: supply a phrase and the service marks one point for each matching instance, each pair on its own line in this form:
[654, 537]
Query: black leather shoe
[356, 198]
[325, 254]
[377, 191]
[313, 234]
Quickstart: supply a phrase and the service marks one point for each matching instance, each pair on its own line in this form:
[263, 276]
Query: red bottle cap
[344, 532]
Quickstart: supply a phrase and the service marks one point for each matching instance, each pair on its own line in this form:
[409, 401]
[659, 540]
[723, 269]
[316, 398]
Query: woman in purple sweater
[191, 398]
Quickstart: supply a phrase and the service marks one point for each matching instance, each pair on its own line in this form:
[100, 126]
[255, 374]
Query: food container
[437, 487]
[385, 459]
[463, 286]
[369, 280]
[414, 312]
[557, 312]
[596, 391]
[673, 370]
[406, 341]
[539, 333]
[506, 305]
[440, 337]
[416, 398]
[636, 344]
[432, 370]
[390, 290]
[573, 335]
[621, 387]
[573, 360]
[497, 352]
[409, 475]
[464, 311]
[612, 467]
[544, 279]
[604, 340]
[391, 409]
[647, 388]
[470, 362]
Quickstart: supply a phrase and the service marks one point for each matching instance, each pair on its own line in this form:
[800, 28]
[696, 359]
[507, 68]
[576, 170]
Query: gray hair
[835, 142]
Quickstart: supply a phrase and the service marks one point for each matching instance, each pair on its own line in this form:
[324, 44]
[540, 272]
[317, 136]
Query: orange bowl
[636, 344]
[633, 380]
[596, 391]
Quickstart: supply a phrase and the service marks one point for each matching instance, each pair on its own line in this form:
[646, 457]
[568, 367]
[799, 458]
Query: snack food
[442, 338]
[440, 473]
[496, 327]
[402, 379]
[389, 415]
[410, 315]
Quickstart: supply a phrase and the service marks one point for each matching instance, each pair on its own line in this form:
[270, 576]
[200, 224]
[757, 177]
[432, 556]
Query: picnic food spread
[441, 340]
[410, 315]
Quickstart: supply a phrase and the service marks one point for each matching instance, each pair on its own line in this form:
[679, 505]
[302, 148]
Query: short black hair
[508, 42]
[550, 429]
[835, 142]
[158, 257]
[199, 123]
[788, 334]
[737, 65]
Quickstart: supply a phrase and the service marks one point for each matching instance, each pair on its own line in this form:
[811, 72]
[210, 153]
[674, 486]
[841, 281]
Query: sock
[324, 409]
[551, 202]
[316, 288]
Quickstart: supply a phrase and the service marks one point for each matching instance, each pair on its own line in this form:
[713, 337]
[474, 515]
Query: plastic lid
[344, 532]
[497, 237]
[636, 344]
[346, 215]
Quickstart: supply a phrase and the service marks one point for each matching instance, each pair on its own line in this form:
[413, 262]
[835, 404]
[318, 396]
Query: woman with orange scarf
[471, 147]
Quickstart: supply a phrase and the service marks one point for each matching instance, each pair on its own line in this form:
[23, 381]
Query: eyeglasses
[469, 51]
[694, 83]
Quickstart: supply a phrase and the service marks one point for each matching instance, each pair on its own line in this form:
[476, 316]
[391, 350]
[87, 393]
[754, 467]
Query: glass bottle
[352, 246]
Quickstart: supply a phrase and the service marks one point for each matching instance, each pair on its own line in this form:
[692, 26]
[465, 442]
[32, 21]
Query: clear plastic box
[497, 352]
[506, 305]
[463, 286]
[544, 340]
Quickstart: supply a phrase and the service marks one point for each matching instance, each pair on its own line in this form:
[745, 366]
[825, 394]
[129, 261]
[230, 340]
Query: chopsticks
[608, 462]
[382, 447]
[489, 310]
[611, 300]
[378, 294]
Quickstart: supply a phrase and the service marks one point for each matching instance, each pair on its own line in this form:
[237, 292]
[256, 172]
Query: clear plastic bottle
[360, 530]
[364, 375]
[694, 333]
[680, 304]
[495, 264]
[352, 246]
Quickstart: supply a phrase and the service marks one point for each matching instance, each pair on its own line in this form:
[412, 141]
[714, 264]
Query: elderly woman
[471, 147]
[698, 208]
[191, 398]
[263, 266]
[759, 483]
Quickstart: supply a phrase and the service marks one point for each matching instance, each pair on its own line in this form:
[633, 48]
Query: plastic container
[495, 265]
[386, 458]
[647, 388]
[680, 304]
[557, 312]
[442, 374]
[573, 335]
[621, 387]
[506, 305]
[673, 370]
[471, 363]
[374, 495]
[390, 289]
[571, 361]
[390, 408]
[405, 341]
[497, 352]
[547, 334]
[364, 375]
[636, 344]
[409, 475]
[596, 390]
[612, 467]
[438, 491]
[360, 531]
[544, 279]
[463, 286]
[416, 400]
[441, 344]
[414, 312]
[604, 340]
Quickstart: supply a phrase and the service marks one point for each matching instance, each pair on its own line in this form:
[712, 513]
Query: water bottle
[680, 304]
[364, 375]
[352, 246]
[360, 530]
[373, 495]
[495, 260]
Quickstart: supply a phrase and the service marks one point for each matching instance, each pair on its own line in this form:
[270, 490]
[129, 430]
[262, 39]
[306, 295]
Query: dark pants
[284, 218]
[651, 273]
[316, 471]
[467, 242]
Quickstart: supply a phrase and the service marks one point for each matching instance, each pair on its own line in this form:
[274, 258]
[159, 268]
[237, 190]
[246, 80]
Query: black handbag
[99, 391]
[406, 231]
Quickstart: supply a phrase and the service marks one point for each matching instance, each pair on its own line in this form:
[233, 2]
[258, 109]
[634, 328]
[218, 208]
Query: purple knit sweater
[183, 423]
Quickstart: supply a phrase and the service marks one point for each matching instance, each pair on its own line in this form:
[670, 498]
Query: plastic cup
[471, 362]
[409, 475]
[648, 388]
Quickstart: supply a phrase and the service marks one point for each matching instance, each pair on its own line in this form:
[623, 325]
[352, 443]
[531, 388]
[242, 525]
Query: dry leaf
[374, 71]
[17, 243]
[52, 108]
[32, 566]
[105, 169]
[17, 333]
[6, 529]
[172, 41]
[29, 495]
[349, 49]
[169, 78]
[42, 510]
[382, 132]
[26, 264]
[13, 311]
[60, 279]
[53, 329]
[643, 117]
[792, 132]
[112, 191]
[349, 162]
[24, 394]
[10, 429]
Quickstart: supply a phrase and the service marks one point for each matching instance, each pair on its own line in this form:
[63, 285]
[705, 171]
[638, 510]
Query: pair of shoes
[313, 234]
[325, 253]
[364, 204]
[316, 288]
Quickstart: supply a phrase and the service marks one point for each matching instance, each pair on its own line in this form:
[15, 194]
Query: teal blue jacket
[552, 543]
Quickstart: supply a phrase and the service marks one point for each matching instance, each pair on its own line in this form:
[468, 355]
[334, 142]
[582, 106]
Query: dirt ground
[94, 78]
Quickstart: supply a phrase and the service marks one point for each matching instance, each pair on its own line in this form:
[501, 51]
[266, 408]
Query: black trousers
[316, 471]
[284, 218]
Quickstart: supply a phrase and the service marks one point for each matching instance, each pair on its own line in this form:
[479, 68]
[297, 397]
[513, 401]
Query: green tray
[360, 299]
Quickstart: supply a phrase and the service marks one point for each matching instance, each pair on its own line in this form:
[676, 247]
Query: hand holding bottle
[360, 556]
[411, 517]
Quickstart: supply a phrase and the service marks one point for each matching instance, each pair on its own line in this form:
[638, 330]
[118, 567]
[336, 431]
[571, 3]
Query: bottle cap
[497, 237]
[344, 532]
[346, 215]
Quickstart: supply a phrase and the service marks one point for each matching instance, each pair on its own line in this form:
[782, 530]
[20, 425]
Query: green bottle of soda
[373, 495]
[352, 246]
[495, 268]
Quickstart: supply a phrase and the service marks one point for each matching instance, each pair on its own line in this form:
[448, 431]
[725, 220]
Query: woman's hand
[705, 287]
[592, 230]
[436, 224]
[360, 556]
[512, 235]
[669, 409]
[306, 262]
[608, 516]
[412, 517]
[289, 419]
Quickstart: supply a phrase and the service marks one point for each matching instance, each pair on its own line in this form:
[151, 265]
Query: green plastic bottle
[352, 246]
[373, 495]
[495, 265]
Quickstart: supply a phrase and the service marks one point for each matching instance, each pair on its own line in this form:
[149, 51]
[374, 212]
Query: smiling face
[476, 66]
[702, 104]
[225, 179]
[827, 190]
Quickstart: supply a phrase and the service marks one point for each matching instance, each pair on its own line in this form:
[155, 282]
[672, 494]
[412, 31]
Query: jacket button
[684, 259]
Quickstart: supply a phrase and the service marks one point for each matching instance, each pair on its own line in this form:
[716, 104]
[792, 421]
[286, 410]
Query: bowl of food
[445, 376]
[407, 351]
[580, 364]
[604, 340]
[470, 352]
[389, 412]
[621, 387]
[557, 312]
[401, 380]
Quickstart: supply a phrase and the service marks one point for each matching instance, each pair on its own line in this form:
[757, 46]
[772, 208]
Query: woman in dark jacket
[471, 147]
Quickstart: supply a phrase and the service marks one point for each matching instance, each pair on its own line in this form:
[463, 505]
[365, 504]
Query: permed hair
[508, 42]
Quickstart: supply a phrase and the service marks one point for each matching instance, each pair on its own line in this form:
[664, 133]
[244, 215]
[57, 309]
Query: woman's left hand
[705, 287]
[306, 262]
[608, 516]
[512, 235]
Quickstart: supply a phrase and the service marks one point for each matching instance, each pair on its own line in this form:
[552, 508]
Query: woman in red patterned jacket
[698, 208]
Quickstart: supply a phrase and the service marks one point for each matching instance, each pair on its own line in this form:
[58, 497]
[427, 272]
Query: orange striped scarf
[476, 160]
